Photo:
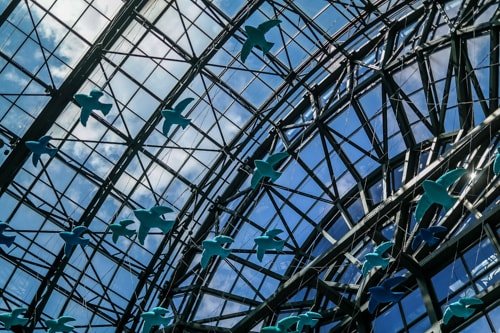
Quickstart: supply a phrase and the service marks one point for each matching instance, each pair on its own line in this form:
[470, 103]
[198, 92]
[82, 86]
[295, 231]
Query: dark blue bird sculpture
[375, 259]
[10, 319]
[266, 168]
[436, 192]
[384, 294]
[496, 163]
[6, 240]
[282, 326]
[120, 229]
[59, 324]
[72, 239]
[151, 218]
[267, 242]
[40, 147]
[256, 37]
[310, 318]
[461, 308]
[427, 235]
[155, 317]
[91, 102]
[174, 117]
[213, 247]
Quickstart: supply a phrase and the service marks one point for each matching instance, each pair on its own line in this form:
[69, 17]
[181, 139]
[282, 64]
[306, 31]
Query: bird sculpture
[384, 294]
[436, 192]
[10, 319]
[72, 239]
[496, 163]
[120, 229]
[155, 317]
[91, 102]
[213, 247]
[256, 37]
[267, 242]
[265, 168]
[427, 235]
[40, 147]
[310, 318]
[59, 324]
[6, 240]
[375, 259]
[461, 308]
[173, 116]
[151, 218]
[282, 326]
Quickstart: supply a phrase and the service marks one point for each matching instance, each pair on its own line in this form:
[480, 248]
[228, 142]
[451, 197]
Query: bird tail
[279, 245]
[9, 240]
[385, 263]
[184, 122]
[166, 226]
[267, 47]
[433, 241]
[275, 175]
[225, 253]
[83, 242]
[129, 233]
[106, 108]
[450, 202]
[52, 152]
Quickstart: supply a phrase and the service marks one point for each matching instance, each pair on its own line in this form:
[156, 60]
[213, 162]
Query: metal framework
[369, 98]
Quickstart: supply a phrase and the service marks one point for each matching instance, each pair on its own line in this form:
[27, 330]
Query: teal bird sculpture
[496, 163]
[213, 247]
[39, 148]
[310, 318]
[155, 317]
[151, 218]
[375, 259]
[436, 192]
[120, 229]
[91, 102]
[267, 242]
[265, 168]
[72, 239]
[461, 308]
[427, 235]
[174, 117]
[256, 38]
[5, 240]
[59, 324]
[10, 319]
[282, 326]
[384, 294]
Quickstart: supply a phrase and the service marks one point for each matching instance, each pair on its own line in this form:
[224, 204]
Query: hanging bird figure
[120, 229]
[267, 242]
[213, 247]
[174, 117]
[375, 259]
[496, 163]
[151, 218]
[256, 37]
[59, 324]
[40, 147]
[427, 235]
[72, 239]
[310, 318]
[6, 240]
[265, 168]
[436, 192]
[461, 308]
[384, 294]
[155, 317]
[10, 319]
[282, 326]
[91, 102]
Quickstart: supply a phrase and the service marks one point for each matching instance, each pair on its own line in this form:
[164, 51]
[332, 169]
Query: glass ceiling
[369, 99]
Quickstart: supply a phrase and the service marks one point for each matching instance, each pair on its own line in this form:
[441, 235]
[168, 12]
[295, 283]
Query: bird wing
[447, 316]
[423, 204]
[273, 232]
[383, 247]
[372, 304]
[276, 158]
[470, 300]
[115, 237]
[417, 240]
[34, 158]
[450, 177]
[392, 282]
[160, 210]
[68, 248]
[79, 230]
[142, 233]
[256, 177]
[65, 319]
[45, 139]
[260, 250]
[146, 328]
[266, 26]
[160, 310]
[437, 229]
[496, 163]
[366, 267]
[270, 329]
[287, 322]
[221, 239]
[166, 124]
[182, 104]
[246, 49]
[82, 99]
[17, 312]
[313, 314]
[205, 257]
[126, 222]
[3, 225]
